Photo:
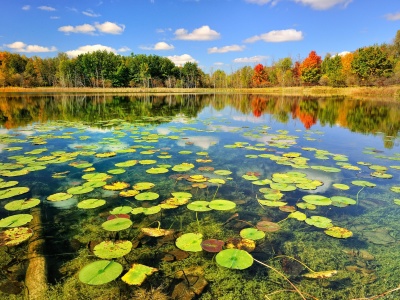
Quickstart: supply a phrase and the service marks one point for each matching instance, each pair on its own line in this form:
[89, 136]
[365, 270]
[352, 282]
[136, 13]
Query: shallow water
[53, 144]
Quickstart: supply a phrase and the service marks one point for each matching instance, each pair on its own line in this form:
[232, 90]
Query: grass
[383, 93]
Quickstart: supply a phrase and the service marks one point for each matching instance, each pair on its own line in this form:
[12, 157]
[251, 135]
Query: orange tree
[310, 68]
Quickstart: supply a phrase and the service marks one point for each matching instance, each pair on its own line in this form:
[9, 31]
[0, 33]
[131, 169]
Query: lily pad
[100, 272]
[320, 222]
[199, 206]
[298, 215]
[128, 193]
[156, 232]
[212, 245]
[59, 197]
[137, 274]
[363, 183]
[252, 234]
[13, 191]
[317, 200]
[341, 186]
[16, 220]
[80, 189]
[140, 186]
[190, 242]
[111, 249]
[342, 201]
[157, 170]
[223, 172]
[221, 204]
[268, 226]
[147, 196]
[91, 203]
[22, 204]
[116, 186]
[121, 210]
[117, 224]
[128, 163]
[234, 259]
[7, 184]
[15, 236]
[338, 232]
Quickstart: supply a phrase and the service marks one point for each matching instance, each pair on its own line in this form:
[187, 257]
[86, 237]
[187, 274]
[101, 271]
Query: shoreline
[391, 93]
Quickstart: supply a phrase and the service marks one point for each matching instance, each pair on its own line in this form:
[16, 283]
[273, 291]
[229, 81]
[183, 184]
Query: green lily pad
[342, 201]
[91, 203]
[320, 222]
[146, 210]
[381, 175]
[140, 186]
[190, 242]
[272, 203]
[94, 184]
[395, 189]
[317, 200]
[59, 197]
[341, 186]
[7, 184]
[96, 177]
[15, 236]
[111, 249]
[252, 234]
[234, 259]
[100, 272]
[157, 170]
[80, 189]
[222, 172]
[13, 191]
[183, 167]
[199, 206]
[298, 215]
[16, 220]
[282, 187]
[182, 195]
[125, 164]
[250, 177]
[147, 161]
[121, 210]
[221, 204]
[137, 274]
[147, 196]
[396, 201]
[338, 232]
[304, 205]
[216, 180]
[262, 182]
[326, 169]
[22, 204]
[116, 171]
[363, 183]
[117, 224]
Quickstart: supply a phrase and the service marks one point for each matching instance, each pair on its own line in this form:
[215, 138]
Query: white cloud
[106, 27]
[277, 36]
[218, 64]
[253, 59]
[26, 7]
[323, 4]
[343, 53]
[162, 30]
[159, 46]
[85, 28]
[89, 48]
[393, 17]
[124, 49]
[90, 13]
[204, 33]
[231, 48]
[22, 47]
[111, 28]
[46, 8]
[180, 60]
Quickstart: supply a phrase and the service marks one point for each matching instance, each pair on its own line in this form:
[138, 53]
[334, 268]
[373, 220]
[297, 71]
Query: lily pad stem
[281, 274]
[260, 203]
[216, 192]
[358, 193]
[198, 223]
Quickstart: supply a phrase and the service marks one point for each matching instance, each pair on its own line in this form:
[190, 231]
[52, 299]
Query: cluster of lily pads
[292, 191]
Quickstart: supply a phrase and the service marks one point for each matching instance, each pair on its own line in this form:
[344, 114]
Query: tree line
[376, 65]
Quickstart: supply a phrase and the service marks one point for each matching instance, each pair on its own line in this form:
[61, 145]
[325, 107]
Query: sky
[215, 34]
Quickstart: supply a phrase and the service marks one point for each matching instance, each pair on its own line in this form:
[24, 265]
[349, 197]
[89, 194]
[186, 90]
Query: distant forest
[377, 65]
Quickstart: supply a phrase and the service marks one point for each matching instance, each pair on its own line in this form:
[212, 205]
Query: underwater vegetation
[218, 206]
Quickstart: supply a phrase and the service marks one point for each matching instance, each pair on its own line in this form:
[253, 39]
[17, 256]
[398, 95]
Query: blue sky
[216, 34]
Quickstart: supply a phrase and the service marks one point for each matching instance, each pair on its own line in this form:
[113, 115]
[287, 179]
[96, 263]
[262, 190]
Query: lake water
[304, 191]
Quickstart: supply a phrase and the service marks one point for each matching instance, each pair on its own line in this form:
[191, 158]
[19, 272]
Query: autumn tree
[371, 64]
[311, 68]
[331, 68]
[260, 76]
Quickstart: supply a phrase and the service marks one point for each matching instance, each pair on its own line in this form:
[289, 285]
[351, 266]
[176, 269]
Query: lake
[223, 196]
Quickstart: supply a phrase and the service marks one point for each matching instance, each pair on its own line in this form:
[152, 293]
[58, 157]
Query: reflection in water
[358, 116]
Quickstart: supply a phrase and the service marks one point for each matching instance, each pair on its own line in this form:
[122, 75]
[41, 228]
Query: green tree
[371, 64]
[311, 68]
[332, 68]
